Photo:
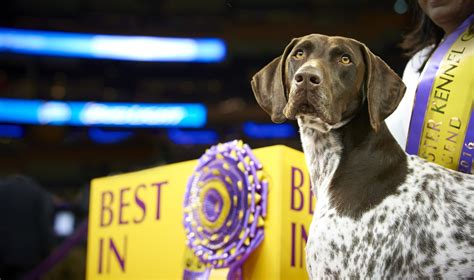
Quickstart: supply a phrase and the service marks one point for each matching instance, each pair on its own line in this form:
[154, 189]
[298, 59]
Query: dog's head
[327, 80]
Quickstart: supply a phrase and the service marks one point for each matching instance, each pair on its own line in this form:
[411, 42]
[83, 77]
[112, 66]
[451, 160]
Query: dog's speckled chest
[423, 229]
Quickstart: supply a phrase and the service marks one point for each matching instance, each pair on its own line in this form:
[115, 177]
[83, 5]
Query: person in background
[26, 225]
[434, 119]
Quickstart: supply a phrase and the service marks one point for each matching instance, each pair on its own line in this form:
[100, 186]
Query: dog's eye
[299, 54]
[345, 59]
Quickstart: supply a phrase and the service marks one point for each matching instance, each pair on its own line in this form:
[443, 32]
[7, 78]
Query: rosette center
[212, 205]
[215, 205]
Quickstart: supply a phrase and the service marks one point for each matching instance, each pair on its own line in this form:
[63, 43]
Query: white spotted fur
[328, 228]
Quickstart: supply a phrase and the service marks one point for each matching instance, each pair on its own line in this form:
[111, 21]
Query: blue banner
[102, 114]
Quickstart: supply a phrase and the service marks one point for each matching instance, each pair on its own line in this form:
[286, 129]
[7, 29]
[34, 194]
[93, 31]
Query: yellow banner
[136, 222]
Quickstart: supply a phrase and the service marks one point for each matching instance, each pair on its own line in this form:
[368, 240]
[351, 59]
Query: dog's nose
[309, 77]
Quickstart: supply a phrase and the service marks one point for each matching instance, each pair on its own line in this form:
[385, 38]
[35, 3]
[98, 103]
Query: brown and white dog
[380, 213]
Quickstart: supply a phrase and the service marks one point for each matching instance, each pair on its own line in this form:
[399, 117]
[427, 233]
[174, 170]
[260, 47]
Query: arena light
[267, 130]
[102, 114]
[193, 137]
[101, 136]
[135, 48]
[11, 131]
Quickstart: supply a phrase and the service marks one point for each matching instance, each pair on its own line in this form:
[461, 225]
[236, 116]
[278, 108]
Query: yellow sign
[136, 222]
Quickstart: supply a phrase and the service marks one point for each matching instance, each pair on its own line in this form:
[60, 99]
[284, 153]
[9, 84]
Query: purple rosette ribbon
[225, 206]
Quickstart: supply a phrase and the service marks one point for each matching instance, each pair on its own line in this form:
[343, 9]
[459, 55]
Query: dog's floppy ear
[269, 87]
[383, 88]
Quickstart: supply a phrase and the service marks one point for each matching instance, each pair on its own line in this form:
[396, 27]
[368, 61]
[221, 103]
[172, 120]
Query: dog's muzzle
[306, 81]
[308, 78]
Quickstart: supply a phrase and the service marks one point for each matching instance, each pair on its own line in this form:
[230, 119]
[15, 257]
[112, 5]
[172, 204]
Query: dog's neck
[352, 168]
[322, 152]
